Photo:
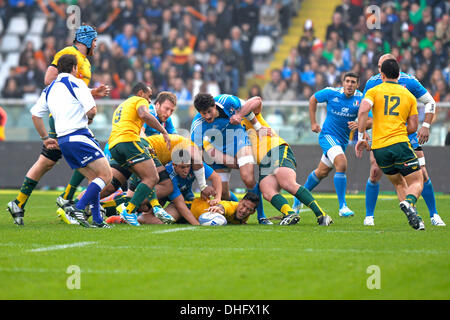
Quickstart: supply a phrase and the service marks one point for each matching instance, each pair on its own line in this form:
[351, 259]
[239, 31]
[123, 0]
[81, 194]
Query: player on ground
[236, 212]
[394, 117]
[219, 121]
[342, 110]
[126, 148]
[182, 177]
[416, 140]
[84, 45]
[70, 102]
[277, 170]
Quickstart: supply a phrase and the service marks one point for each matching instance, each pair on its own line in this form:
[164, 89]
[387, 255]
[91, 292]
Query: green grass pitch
[182, 262]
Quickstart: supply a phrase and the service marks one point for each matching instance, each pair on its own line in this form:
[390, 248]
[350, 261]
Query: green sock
[411, 199]
[154, 202]
[281, 204]
[71, 188]
[27, 188]
[305, 197]
[142, 191]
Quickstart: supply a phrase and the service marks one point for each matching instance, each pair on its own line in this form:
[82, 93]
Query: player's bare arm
[216, 182]
[413, 123]
[151, 121]
[217, 209]
[50, 75]
[430, 110]
[182, 209]
[49, 143]
[315, 127]
[363, 115]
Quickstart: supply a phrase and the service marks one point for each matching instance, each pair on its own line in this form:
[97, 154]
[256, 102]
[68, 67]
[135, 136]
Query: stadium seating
[10, 43]
[38, 25]
[262, 45]
[17, 25]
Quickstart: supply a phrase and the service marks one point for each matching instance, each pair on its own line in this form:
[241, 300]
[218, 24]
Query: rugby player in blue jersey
[416, 140]
[219, 122]
[342, 110]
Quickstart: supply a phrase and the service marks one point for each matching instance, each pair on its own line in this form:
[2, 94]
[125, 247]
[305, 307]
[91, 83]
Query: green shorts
[280, 156]
[127, 154]
[397, 158]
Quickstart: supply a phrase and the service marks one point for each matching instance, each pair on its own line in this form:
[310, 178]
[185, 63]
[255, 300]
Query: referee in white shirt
[70, 102]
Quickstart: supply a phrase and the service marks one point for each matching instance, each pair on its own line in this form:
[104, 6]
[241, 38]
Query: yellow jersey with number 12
[84, 66]
[392, 105]
[126, 123]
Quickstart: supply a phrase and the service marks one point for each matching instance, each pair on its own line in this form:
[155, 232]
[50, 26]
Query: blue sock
[260, 208]
[92, 196]
[312, 181]
[340, 184]
[428, 196]
[372, 190]
[233, 197]
[95, 211]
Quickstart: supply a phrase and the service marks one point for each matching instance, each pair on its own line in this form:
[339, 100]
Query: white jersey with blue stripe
[68, 99]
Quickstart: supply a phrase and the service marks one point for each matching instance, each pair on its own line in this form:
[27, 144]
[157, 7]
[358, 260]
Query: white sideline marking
[175, 230]
[62, 246]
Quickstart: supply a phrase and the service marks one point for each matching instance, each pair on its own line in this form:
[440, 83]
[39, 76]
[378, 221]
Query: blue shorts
[80, 148]
[414, 141]
[327, 141]
[233, 139]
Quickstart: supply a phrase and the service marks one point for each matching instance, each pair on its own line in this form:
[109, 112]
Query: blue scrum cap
[85, 35]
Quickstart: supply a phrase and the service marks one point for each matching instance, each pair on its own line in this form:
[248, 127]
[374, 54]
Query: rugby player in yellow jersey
[182, 176]
[236, 212]
[394, 117]
[277, 170]
[84, 44]
[127, 149]
[161, 156]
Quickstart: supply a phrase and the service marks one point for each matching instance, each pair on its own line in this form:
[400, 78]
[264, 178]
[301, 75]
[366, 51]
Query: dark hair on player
[66, 63]
[138, 87]
[352, 75]
[390, 68]
[166, 95]
[203, 101]
[253, 197]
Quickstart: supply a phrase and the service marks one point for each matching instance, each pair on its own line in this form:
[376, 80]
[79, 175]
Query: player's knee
[248, 179]
[375, 174]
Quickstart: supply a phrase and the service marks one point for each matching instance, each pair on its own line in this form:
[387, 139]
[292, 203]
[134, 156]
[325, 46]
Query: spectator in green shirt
[415, 11]
[428, 41]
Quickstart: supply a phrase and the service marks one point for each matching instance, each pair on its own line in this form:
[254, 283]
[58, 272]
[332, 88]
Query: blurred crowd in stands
[417, 32]
[181, 46]
[204, 45]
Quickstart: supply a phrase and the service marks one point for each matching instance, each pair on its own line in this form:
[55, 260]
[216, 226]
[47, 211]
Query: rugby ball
[212, 219]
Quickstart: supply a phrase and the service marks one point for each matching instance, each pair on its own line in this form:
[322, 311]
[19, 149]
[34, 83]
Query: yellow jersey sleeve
[261, 145]
[84, 66]
[370, 95]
